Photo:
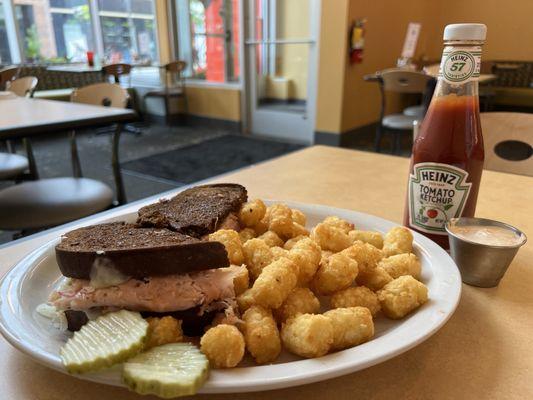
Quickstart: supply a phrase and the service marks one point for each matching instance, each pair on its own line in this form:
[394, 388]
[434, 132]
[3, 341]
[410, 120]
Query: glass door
[281, 65]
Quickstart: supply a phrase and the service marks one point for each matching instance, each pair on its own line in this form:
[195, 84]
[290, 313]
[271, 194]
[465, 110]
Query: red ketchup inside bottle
[448, 153]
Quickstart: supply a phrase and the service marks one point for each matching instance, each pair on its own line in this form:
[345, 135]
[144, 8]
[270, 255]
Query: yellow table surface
[485, 351]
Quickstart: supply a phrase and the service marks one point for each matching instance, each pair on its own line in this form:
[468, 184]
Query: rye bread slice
[135, 251]
[197, 211]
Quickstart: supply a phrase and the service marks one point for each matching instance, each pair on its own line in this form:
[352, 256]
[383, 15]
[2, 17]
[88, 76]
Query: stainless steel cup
[481, 264]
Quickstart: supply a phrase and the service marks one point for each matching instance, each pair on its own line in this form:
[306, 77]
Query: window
[65, 30]
[208, 38]
[54, 30]
[128, 31]
[5, 56]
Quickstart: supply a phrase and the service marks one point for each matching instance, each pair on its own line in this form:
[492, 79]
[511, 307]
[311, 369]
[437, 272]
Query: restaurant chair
[22, 87]
[8, 74]
[12, 165]
[35, 205]
[174, 86]
[508, 139]
[115, 72]
[398, 81]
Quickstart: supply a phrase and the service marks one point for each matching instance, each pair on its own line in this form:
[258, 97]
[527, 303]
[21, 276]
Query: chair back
[101, 94]
[404, 81]
[116, 71]
[174, 74]
[508, 141]
[23, 87]
[7, 74]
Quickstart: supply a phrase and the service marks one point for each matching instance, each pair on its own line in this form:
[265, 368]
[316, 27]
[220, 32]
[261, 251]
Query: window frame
[16, 42]
[175, 47]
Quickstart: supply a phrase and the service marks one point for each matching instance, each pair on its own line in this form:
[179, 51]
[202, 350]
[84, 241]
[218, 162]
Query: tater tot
[337, 222]
[299, 230]
[299, 301]
[271, 239]
[402, 264]
[245, 300]
[275, 283]
[359, 296]
[351, 326]
[261, 334]
[162, 331]
[370, 237]
[298, 217]
[337, 273]
[289, 244]
[280, 220]
[366, 255]
[330, 237]
[375, 279]
[223, 346]
[261, 227]
[252, 212]
[257, 255]
[246, 234]
[232, 242]
[278, 252]
[325, 255]
[401, 296]
[306, 255]
[308, 335]
[398, 240]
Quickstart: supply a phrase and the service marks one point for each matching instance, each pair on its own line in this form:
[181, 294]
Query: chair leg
[34, 174]
[74, 156]
[115, 163]
[9, 147]
[397, 148]
[377, 140]
[167, 110]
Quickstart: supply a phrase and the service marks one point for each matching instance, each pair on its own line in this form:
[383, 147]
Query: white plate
[29, 283]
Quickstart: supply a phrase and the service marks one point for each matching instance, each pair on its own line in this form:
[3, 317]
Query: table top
[21, 117]
[484, 351]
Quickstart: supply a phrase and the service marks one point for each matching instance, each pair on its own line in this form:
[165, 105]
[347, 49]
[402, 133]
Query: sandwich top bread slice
[135, 252]
[197, 211]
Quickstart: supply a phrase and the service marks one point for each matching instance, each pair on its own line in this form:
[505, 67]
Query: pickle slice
[171, 370]
[110, 339]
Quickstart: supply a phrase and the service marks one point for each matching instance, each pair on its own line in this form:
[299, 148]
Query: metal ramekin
[480, 264]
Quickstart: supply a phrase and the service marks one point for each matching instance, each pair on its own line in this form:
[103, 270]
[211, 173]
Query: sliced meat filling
[157, 294]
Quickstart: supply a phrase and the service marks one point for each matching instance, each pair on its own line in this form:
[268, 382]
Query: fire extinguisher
[357, 41]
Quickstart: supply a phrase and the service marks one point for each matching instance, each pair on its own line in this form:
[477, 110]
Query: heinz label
[460, 64]
[437, 192]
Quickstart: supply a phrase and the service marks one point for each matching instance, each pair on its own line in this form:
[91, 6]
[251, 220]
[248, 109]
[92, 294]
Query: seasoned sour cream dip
[488, 235]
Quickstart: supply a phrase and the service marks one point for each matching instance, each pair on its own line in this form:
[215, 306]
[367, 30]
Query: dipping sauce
[488, 235]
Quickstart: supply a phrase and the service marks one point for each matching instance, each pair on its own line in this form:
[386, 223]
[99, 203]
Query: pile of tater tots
[311, 293]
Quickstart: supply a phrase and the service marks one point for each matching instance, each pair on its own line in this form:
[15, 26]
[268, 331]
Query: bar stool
[398, 81]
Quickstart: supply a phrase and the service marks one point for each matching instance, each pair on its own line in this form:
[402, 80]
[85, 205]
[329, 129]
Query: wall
[202, 101]
[509, 26]
[385, 33]
[331, 65]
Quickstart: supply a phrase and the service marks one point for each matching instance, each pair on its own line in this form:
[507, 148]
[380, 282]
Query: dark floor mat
[209, 158]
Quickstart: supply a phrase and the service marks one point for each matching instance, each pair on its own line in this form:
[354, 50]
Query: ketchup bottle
[447, 159]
